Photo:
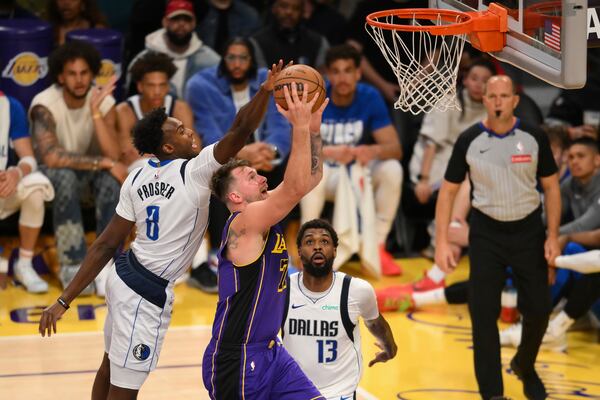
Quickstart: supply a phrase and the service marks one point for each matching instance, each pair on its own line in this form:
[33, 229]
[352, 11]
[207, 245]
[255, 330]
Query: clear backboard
[547, 39]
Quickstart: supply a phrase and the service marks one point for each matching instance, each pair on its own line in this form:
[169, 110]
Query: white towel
[35, 181]
[354, 219]
[4, 130]
[29, 183]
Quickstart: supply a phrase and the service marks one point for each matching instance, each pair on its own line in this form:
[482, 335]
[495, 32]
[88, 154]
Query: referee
[504, 158]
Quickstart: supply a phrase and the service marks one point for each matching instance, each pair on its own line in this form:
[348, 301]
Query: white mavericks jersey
[321, 331]
[169, 203]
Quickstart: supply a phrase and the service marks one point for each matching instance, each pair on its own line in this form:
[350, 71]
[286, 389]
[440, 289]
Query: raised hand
[273, 73]
[100, 93]
[299, 110]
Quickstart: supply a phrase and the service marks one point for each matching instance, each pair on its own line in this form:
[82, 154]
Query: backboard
[546, 38]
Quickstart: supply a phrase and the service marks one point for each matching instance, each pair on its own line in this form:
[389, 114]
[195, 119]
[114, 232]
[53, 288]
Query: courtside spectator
[73, 127]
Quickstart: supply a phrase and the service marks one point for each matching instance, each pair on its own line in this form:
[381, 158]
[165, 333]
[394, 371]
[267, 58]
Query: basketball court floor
[434, 358]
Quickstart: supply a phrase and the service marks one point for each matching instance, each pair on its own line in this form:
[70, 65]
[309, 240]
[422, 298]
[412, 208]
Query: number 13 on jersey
[327, 351]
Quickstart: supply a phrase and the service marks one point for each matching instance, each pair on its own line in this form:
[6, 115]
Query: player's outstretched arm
[96, 258]
[304, 169]
[247, 119]
[380, 328]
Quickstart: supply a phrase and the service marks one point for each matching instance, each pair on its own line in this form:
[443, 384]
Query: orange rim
[454, 28]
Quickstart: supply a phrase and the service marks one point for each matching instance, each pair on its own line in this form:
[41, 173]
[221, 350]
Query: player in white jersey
[167, 201]
[321, 328]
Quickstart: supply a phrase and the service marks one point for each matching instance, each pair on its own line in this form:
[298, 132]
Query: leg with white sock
[458, 231]
[457, 293]
[586, 263]
[30, 224]
[387, 188]
[582, 296]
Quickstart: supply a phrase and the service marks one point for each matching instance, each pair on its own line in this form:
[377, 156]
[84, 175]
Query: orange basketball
[306, 78]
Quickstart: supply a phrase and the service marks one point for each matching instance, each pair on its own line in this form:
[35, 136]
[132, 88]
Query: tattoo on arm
[233, 239]
[316, 148]
[382, 331]
[46, 143]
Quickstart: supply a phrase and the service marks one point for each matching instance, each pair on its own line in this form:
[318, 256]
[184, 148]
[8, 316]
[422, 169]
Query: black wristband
[63, 303]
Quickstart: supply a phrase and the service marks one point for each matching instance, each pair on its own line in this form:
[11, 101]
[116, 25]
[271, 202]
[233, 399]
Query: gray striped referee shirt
[503, 169]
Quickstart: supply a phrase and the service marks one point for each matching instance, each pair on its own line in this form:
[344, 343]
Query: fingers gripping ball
[306, 78]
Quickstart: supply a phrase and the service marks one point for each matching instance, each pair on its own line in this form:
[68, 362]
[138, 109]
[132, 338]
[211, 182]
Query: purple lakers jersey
[251, 297]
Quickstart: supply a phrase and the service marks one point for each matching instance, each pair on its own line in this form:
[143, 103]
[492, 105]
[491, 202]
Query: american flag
[552, 35]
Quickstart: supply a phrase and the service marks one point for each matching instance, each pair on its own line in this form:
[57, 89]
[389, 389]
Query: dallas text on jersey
[313, 327]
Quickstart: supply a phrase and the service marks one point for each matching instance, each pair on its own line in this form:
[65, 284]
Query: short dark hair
[221, 179]
[147, 132]
[342, 52]
[90, 12]
[557, 134]
[317, 224]
[152, 61]
[481, 62]
[252, 70]
[586, 141]
[71, 51]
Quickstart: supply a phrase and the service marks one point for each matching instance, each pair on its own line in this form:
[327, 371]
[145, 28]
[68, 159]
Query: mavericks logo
[107, 69]
[26, 68]
[141, 352]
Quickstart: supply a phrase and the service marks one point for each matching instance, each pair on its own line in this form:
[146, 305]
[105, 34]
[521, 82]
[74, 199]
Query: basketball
[306, 78]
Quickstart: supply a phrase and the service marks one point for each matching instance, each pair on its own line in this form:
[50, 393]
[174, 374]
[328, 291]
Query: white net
[426, 65]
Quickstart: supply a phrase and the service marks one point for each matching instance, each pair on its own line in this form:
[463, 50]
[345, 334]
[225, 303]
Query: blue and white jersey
[354, 124]
[168, 202]
[321, 331]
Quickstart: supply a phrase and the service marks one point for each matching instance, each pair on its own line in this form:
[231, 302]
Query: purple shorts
[256, 371]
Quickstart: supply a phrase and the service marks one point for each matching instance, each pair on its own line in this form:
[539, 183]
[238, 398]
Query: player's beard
[236, 81]
[179, 40]
[76, 96]
[318, 272]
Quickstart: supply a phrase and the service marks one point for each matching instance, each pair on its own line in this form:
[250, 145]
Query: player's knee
[63, 180]
[390, 173]
[32, 210]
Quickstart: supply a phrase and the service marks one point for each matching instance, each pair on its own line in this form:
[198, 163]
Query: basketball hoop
[424, 47]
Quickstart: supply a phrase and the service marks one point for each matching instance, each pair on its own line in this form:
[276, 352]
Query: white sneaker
[100, 280]
[554, 342]
[25, 274]
[511, 337]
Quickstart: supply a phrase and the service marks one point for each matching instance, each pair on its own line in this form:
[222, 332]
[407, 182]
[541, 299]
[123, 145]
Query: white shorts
[135, 328]
[127, 378]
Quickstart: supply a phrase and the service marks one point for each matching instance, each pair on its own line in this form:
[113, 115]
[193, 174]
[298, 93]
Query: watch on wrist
[276, 151]
[422, 177]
